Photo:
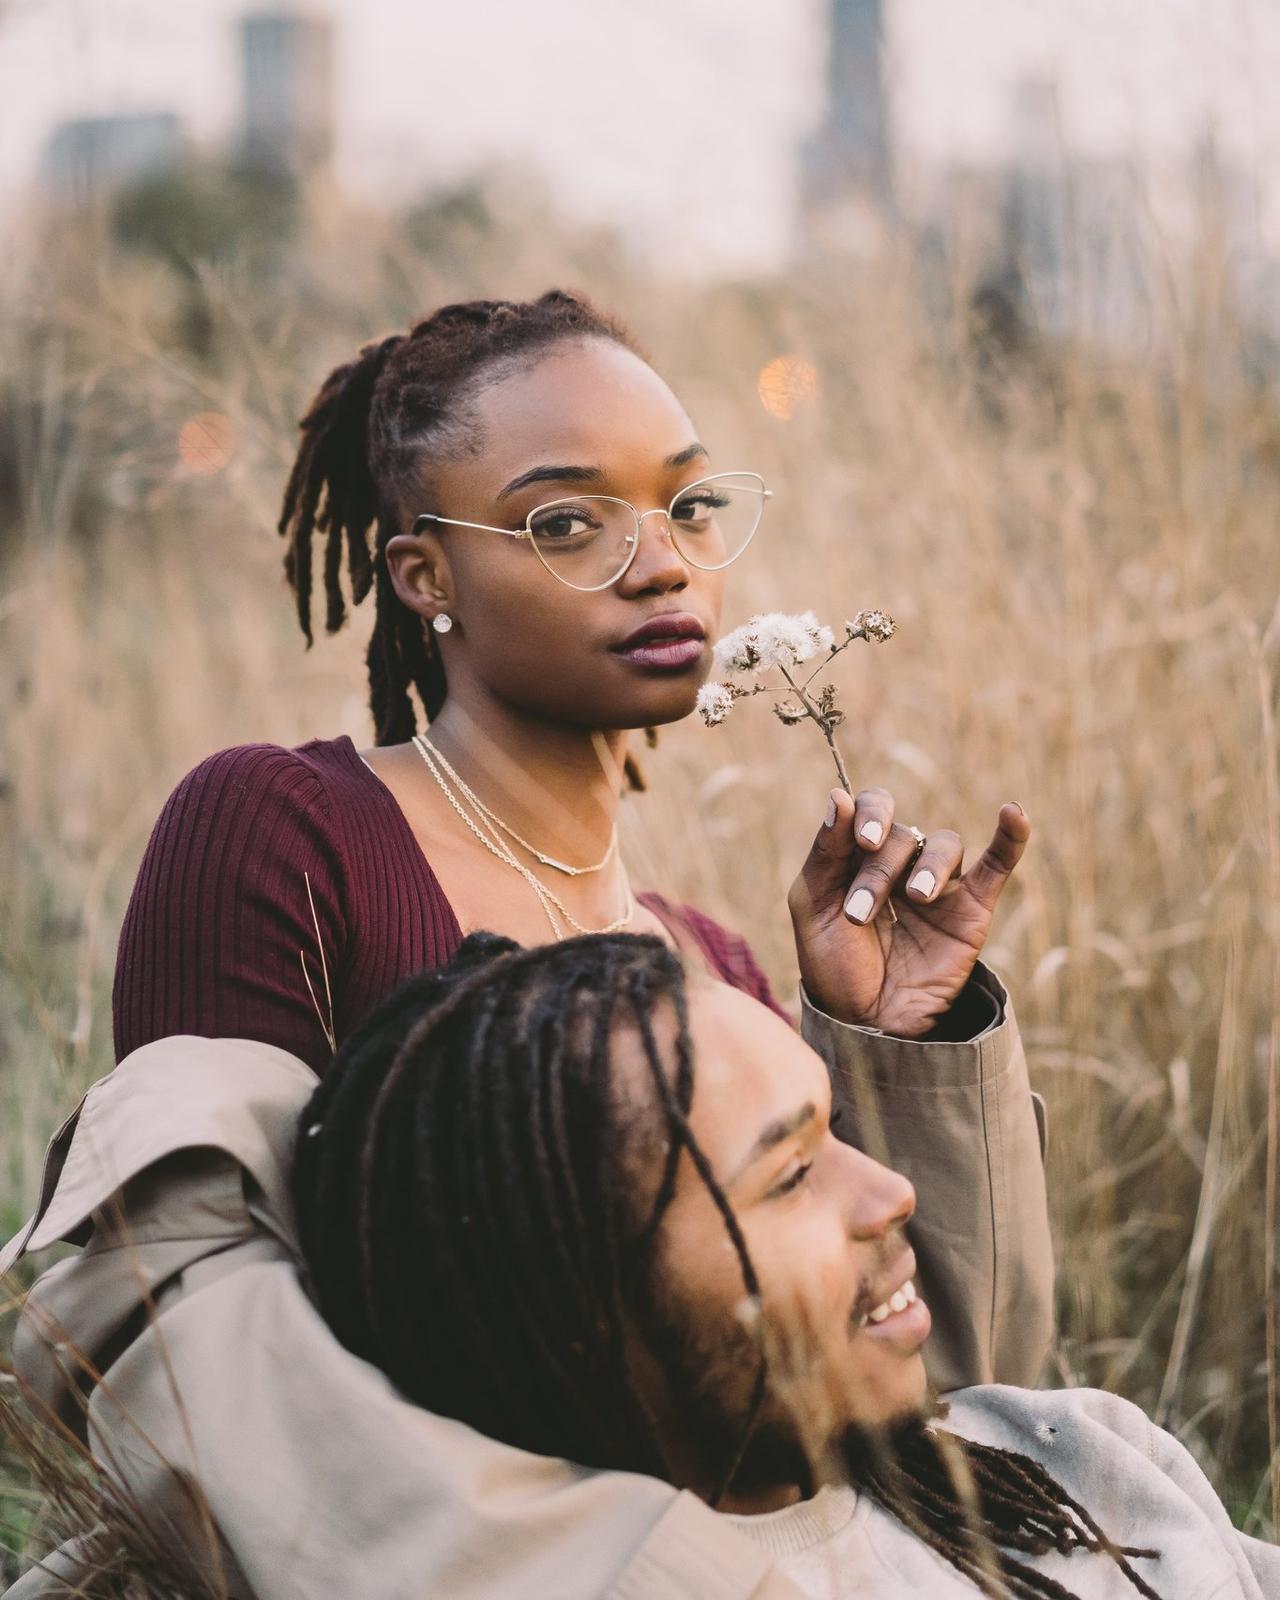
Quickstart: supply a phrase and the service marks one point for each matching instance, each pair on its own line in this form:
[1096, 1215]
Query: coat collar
[179, 1093]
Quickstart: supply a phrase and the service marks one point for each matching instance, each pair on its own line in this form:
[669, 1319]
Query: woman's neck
[557, 785]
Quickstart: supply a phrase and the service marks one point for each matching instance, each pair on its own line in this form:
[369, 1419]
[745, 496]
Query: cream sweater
[1140, 1484]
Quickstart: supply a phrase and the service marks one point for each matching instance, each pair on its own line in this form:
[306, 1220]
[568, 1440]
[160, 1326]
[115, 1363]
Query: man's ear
[419, 571]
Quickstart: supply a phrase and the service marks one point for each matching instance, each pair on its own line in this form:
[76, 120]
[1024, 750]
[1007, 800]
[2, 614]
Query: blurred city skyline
[684, 125]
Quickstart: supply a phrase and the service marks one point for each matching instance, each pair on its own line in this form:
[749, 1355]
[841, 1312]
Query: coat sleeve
[322, 1480]
[278, 1465]
[959, 1119]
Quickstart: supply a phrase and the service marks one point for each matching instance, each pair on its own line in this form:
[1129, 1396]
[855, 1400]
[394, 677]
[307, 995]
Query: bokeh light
[207, 442]
[784, 384]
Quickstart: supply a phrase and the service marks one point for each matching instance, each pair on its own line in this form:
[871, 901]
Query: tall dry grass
[1081, 546]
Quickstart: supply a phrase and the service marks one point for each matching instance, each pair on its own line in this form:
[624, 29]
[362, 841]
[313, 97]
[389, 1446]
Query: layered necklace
[486, 825]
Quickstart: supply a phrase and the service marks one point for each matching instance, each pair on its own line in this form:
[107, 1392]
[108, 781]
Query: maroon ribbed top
[219, 916]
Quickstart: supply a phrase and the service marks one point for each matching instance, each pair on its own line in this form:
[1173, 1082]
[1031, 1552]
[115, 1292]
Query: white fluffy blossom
[714, 703]
[773, 639]
[736, 652]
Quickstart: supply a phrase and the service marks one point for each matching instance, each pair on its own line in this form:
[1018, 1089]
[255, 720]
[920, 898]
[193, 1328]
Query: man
[596, 1213]
[229, 1424]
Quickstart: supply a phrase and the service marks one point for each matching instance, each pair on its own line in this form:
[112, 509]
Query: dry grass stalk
[1079, 544]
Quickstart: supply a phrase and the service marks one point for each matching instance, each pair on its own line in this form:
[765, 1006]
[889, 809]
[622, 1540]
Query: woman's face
[584, 417]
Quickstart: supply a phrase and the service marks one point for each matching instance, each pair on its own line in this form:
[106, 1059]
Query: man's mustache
[868, 1297]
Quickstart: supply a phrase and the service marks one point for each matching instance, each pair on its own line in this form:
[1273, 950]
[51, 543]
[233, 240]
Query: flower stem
[799, 690]
[831, 655]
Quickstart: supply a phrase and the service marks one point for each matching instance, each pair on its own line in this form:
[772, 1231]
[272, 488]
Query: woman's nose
[657, 564]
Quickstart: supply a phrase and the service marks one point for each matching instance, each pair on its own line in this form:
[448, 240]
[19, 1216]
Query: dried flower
[736, 652]
[877, 627]
[771, 640]
[714, 703]
[822, 636]
[776, 640]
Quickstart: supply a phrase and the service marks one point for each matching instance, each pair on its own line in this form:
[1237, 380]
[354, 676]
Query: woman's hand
[857, 964]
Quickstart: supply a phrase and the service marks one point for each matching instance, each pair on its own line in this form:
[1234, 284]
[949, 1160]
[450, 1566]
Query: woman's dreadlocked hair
[365, 457]
[461, 1184]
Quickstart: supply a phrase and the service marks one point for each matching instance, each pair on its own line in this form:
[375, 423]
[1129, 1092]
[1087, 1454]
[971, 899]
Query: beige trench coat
[311, 1476]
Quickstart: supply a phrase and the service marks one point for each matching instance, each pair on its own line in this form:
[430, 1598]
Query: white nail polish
[859, 904]
[924, 882]
[829, 819]
[871, 831]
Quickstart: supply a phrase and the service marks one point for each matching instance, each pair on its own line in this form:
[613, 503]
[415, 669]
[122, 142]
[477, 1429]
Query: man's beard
[776, 1455]
[746, 1438]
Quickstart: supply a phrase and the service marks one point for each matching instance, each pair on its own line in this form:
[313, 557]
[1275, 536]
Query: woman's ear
[419, 572]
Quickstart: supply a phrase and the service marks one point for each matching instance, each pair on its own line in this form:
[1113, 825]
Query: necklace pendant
[561, 866]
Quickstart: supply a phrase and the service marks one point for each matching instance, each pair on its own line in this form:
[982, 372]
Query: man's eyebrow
[779, 1129]
[567, 474]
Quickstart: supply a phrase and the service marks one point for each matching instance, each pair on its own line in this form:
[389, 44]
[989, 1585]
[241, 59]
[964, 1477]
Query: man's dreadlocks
[463, 1210]
[456, 1194]
[368, 441]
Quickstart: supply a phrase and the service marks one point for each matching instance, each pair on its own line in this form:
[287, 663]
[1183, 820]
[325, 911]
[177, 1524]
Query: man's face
[823, 1226]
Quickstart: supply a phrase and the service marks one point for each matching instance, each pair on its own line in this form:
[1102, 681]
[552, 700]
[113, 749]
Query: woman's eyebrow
[567, 474]
[682, 458]
[551, 474]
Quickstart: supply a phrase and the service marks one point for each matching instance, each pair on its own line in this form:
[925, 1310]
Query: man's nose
[880, 1199]
[658, 564]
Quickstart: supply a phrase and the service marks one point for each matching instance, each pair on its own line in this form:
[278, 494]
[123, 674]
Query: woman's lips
[672, 641]
[666, 655]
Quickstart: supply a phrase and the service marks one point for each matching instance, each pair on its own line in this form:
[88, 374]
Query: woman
[290, 890]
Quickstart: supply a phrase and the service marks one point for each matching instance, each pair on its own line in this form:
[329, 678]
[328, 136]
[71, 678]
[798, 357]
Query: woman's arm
[241, 881]
[925, 1049]
[959, 1119]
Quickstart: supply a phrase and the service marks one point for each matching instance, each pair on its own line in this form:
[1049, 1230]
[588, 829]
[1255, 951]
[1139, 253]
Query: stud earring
[442, 623]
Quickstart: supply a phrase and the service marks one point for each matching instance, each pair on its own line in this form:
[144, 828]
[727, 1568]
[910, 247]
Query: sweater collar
[803, 1525]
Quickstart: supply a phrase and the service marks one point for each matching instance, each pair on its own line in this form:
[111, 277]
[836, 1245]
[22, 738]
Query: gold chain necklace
[546, 899]
[478, 804]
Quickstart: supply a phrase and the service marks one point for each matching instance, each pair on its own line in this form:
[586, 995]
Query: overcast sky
[653, 112]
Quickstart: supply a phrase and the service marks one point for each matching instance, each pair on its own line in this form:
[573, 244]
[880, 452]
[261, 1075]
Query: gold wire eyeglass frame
[633, 539]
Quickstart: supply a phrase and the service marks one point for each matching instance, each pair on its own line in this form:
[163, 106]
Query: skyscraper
[850, 155]
[89, 157]
[288, 91]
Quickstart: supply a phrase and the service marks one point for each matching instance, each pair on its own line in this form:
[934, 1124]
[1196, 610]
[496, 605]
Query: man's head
[821, 1228]
[599, 1213]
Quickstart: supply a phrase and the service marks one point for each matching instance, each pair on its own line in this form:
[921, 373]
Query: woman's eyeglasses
[590, 540]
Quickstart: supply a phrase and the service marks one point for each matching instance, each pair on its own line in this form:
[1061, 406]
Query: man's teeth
[898, 1301]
